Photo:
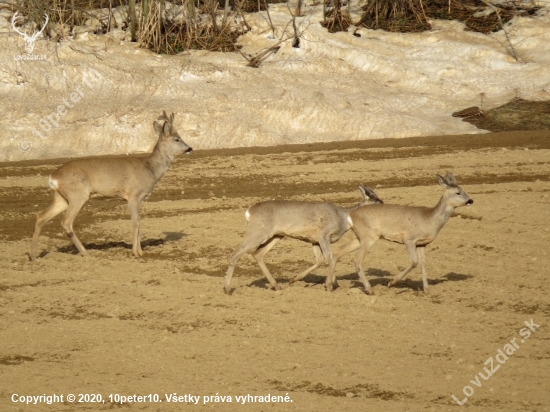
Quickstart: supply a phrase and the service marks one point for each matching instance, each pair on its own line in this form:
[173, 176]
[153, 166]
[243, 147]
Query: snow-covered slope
[100, 95]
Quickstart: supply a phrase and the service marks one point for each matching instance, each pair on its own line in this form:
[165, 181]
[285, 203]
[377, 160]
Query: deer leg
[324, 244]
[58, 205]
[411, 249]
[421, 250]
[366, 244]
[339, 253]
[318, 261]
[75, 204]
[252, 242]
[259, 256]
[133, 206]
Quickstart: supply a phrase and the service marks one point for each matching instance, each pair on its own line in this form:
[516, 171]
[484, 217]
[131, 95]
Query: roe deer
[318, 223]
[131, 178]
[415, 227]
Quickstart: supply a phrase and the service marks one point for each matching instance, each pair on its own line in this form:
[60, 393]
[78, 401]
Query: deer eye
[176, 140]
[458, 193]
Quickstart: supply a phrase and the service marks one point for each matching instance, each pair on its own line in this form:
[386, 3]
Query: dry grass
[335, 18]
[199, 29]
[518, 114]
[413, 15]
[395, 15]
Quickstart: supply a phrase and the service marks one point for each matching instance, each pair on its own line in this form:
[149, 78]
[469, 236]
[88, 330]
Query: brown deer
[131, 178]
[415, 227]
[317, 223]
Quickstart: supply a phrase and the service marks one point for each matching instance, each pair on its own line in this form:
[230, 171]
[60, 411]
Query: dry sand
[113, 324]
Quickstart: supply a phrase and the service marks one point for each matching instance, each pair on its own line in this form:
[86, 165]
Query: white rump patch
[52, 183]
[350, 221]
[247, 215]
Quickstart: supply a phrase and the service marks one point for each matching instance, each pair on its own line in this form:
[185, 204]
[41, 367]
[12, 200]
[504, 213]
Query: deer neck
[442, 212]
[358, 205]
[159, 161]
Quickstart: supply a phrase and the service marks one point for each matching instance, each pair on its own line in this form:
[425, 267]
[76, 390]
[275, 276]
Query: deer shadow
[413, 284]
[312, 279]
[147, 243]
[374, 276]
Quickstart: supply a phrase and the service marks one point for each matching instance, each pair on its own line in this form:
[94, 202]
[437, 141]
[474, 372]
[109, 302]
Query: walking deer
[131, 178]
[317, 223]
[415, 227]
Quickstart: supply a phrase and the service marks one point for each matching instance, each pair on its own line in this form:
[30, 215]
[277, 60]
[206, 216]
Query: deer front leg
[133, 205]
[411, 249]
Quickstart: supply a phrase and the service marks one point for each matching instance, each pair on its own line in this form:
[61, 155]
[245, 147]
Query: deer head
[29, 40]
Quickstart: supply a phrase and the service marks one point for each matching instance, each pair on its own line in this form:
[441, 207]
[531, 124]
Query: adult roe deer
[131, 178]
[413, 226]
[317, 223]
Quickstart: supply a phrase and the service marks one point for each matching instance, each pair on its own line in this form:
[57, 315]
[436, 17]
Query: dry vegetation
[518, 114]
[215, 25]
[413, 15]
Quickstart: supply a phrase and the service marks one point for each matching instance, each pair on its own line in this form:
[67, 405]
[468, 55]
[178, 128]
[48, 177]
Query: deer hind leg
[421, 250]
[75, 204]
[339, 253]
[318, 261]
[259, 256]
[58, 205]
[324, 244]
[411, 249]
[366, 243]
[252, 242]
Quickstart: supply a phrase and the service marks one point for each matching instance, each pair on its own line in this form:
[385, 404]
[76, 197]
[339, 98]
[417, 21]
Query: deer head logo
[29, 40]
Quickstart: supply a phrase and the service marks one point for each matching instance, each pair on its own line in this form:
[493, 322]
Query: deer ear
[450, 178]
[442, 181]
[167, 128]
[366, 192]
[369, 194]
[157, 127]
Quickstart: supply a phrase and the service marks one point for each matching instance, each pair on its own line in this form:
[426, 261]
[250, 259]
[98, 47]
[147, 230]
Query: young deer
[317, 223]
[415, 227]
[131, 178]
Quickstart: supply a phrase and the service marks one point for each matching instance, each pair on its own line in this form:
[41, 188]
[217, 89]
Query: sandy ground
[113, 324]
